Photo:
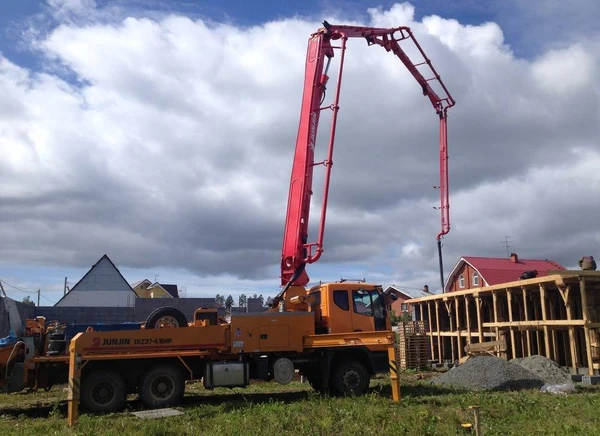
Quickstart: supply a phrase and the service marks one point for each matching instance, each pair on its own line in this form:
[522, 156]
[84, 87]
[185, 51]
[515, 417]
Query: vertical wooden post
[495, 303]
[478, 304]
[448, 305]
[564, 293]
[458, 341]
[527, 332]
[74, 381]
[544, 318]
[430, 330]
[421, 311]
[510, 319]
[437, 324]
[468, 319]
[536, 316]
[586, 330]
[394, 366]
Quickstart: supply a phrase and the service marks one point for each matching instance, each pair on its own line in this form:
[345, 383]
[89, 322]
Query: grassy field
[270, 409]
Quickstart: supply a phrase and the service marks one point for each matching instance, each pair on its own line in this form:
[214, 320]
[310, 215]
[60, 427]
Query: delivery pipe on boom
[297, 250]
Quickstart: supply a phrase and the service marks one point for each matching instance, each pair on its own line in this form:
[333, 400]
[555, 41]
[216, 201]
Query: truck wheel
[161, 386]
[350, 378]
[165, 317]
[103, 391]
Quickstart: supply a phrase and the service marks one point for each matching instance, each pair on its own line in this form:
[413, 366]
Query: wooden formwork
[413, 345]
[557, 316]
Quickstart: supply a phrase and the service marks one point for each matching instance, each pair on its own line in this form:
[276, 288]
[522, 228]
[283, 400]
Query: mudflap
[15, 382]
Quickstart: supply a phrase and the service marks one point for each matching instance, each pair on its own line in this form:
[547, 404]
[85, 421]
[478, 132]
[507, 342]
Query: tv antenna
[506, 242]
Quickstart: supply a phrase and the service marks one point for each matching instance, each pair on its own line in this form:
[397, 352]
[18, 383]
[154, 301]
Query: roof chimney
[514, 258]
[426, 289]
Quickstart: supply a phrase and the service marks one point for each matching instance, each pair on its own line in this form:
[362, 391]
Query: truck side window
[362, 303]
[315, 299]
[340, 298]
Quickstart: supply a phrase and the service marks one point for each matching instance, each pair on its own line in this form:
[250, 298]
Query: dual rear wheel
[105, 391]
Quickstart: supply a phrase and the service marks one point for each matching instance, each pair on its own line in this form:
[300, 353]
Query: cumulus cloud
[168, 141]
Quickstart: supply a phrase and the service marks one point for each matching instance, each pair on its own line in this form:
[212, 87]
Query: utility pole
[38, 298]
[65, 288]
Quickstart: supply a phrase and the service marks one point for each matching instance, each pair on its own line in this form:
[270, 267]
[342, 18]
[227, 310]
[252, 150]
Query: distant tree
[243, 301]
[397, 319]
[28, 300]
[229, 302]
[269, 302]
[261, 299]
[220, 300]
[255, 296]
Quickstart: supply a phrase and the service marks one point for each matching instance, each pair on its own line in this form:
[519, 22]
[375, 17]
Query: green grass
[270, 409]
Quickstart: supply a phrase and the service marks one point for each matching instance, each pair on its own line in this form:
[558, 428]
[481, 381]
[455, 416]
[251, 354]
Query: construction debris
[157, 413]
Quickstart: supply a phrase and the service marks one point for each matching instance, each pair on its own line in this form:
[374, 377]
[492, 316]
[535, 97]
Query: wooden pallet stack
[413, 345]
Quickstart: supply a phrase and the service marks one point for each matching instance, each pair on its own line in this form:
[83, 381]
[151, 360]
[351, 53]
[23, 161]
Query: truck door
[368, 310]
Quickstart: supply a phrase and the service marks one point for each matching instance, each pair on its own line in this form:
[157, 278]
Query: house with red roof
[476, 272]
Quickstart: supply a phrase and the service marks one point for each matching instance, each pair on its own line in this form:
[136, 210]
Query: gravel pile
[489, 373]
[546, 369]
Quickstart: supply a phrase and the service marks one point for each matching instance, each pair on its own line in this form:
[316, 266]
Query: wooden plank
[430, 330]
[488, 346]
[458, 341]
[536, 315]
[495, 303]
[572, 343]
[510, 319]
[468, 318]
[526, 312]
[586, 330]
[544, 319]
[448, 305]
[532, 323]
[439, 337]
[478, 304]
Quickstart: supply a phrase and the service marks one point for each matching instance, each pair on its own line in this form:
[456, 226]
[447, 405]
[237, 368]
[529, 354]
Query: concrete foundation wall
[112, 315]
[87, 315]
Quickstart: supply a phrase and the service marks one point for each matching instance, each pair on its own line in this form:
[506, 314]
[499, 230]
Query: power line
[17, 288]
[46, 298]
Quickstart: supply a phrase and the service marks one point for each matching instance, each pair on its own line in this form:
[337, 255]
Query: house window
[404, 307]
[461, 281]
[475, 279]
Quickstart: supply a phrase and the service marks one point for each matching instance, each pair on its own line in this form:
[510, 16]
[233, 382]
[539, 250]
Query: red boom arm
[297, 251]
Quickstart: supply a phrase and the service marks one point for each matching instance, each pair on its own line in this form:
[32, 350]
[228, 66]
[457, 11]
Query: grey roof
[411, 293]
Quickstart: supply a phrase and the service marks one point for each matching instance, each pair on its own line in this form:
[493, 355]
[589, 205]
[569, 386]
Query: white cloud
[172, 148]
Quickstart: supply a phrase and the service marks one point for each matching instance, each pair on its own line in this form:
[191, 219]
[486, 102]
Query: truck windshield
[369, 302]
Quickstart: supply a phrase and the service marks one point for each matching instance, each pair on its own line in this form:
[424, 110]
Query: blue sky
[161, 133]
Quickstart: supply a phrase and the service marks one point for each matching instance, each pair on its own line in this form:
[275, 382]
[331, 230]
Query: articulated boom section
[297, 251]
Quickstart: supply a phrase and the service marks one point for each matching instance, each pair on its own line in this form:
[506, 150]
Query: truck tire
[164, 317]
[350, 378]
[103, 391]
[161, 386]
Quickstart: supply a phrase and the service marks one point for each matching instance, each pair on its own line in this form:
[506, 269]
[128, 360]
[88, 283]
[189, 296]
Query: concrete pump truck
[335, 334]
